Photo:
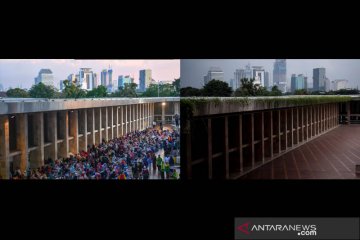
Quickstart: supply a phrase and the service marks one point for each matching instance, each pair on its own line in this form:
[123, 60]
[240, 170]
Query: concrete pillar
[112, 123]
[22, 139]
[126, 119]
[226, 145]
[177, 108]
[285, 132]
[209, 153]
[163, 112]
[91, 117]
[297, 125]
[64, 134]
[106, 124]
[318, 120]
[83, 128]
[74, 131]
[311, 121]
[138, 115]
[117, 121]
[240, 144]
[38, 160]
[271, 139]
[122, 108]
[99, 121]
[262, 138]
[279, 130]
[252, 145]
[307, 123]
[130, 129]
[292, 127]
[52, 123]
[4, 147]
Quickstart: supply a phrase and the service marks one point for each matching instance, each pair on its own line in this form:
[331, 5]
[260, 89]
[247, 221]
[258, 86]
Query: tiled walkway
[330, 156]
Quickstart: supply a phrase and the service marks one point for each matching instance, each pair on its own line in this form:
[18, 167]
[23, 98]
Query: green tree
[190, 92]
[275, 91]
[72, 90]
[100, 91]
[129, 90]
[176, 85]
[17, 93]
[300, 92]
[248, 88]
[217, 88]
[43, 91]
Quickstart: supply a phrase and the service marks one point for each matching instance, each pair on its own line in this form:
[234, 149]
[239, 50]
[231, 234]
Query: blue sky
[21, 72]
[193, 70]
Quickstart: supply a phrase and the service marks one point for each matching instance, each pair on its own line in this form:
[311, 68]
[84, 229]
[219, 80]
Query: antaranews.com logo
[296, 228]
[301, 230]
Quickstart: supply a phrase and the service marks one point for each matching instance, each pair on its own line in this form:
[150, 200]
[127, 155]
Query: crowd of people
[135, 155]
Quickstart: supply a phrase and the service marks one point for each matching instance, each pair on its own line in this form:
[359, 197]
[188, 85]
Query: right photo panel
[270, 119]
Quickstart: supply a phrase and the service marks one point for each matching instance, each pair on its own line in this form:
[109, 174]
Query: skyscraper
[248, 72]
[238, 75]
[267, 80]
[298, 82]
[46, 77]
[215, 73]
[122, 80]
[279, 74]
[86, 78]
[319, 79]
[104, 78]
[110, 83]
[144, 79]
[258, 74]
[339, 84]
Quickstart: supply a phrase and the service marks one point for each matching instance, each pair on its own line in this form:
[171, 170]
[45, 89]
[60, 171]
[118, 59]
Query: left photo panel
[89, 119]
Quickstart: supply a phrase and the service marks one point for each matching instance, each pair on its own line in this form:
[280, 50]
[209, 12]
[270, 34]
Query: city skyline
[193, 70]
[21, 72]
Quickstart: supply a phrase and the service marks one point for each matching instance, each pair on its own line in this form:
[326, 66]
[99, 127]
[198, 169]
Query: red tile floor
[330, 156]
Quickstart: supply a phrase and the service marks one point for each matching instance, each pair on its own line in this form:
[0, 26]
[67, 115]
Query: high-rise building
[267, 80]
[298, 82]
[247, 71]
[85, 79]
[124, 79]
[46, 77]
[279, 74]
[110, 84]
[72, 78]
[319, 79]
[258, 74]
[215, 73]
[238, 75]
[104, 78]
[327, 85]
[144, 79]
[339, 84]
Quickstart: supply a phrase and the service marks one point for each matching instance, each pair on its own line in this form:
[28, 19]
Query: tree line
[217, 88]
[72, 90]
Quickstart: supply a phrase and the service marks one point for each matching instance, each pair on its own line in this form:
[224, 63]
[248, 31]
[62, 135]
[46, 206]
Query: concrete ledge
[27, 105]
[225, 105]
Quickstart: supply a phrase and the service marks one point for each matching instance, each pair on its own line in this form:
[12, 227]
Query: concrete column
[91, 118]
[99, 121]
[292, 127]
[177, 108]
[307, 123]
[226, 145]
[262, 138]
[240, 144]
[285, 132]
[106, 124]
[126, 119]
[311, 121]
[271, 139]
[22, 139]
[52, 123]
[130, 129]
[279, 129]
[252, 145]
[318, 120]
[4, 147]
[112, 123]
[83, 129]
[163, 113]
[209, 153]
[117, 121]
[297, 125]
[38, 160]
[64, 134]
[138, 116]
[74, 131]
[122, 108]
